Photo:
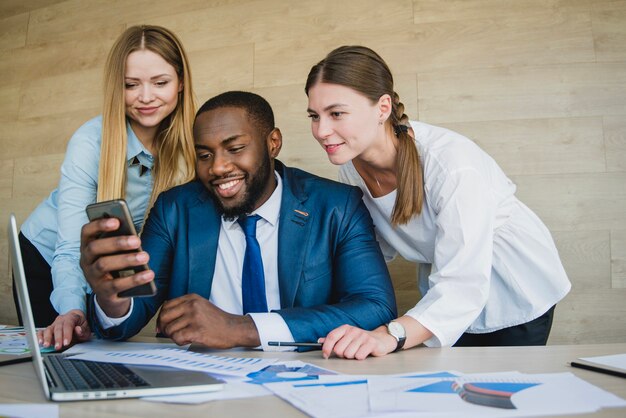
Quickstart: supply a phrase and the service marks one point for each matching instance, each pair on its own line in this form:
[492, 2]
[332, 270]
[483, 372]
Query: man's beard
[254, 190]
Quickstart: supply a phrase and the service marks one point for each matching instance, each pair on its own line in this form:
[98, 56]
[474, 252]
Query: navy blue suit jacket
[330, 268]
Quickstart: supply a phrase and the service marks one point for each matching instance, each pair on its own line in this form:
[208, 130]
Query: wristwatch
[396, 330]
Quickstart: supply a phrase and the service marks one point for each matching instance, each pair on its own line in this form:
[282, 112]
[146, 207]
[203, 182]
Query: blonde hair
[175, 160]
[364, 71]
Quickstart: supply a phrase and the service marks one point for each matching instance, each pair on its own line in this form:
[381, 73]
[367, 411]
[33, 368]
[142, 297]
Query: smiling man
[311, 265]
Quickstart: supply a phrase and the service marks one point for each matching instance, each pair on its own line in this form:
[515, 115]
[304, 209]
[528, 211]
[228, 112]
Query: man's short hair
[257, 108]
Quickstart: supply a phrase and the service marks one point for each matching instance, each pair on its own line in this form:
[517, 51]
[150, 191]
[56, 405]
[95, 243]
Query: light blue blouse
[54, 226]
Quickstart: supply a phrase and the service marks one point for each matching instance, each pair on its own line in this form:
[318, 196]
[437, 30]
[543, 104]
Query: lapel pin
[300, 212]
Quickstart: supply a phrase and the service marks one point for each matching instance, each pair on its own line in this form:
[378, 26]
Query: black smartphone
[119, 209]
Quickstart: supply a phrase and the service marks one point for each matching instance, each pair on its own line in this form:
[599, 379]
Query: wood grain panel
[13, 31]
[428, 47]
[6, 179]
[540, 146]
[609, 35]
[523, 93]
[575, 202]
[529, 40]
[317, 28]
[586, 256]
[14, 7]
[41, 135]
[9, 102]
[608, 5]
[221, 69]
[615, 142]
[404, 277]
[36, 176]
[441, 11]
[69, 92]
[7, 307]
[58, 58]
[70, 20]
[585, 316]
[280, 21]
[618, 259]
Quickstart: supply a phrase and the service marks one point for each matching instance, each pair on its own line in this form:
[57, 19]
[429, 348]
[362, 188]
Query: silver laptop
[73, 380]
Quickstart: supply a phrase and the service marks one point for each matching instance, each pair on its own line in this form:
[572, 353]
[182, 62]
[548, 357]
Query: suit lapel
[203, 232]
[293, 238]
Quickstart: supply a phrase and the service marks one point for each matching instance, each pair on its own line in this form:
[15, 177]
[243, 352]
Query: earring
[380, 122]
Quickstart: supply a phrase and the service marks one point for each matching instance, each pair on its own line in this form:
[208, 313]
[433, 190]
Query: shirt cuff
[435, 340]
[63, 303]
[105, 321]
[272, 327]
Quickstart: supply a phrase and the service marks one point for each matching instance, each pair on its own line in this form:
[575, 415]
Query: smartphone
[119, 209]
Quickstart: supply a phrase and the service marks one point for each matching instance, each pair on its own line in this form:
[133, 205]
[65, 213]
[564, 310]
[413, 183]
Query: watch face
[396, 330]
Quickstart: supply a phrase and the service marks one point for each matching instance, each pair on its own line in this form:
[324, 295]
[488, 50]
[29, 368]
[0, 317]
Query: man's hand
[99, 256]
[66, 329]
[193, 319]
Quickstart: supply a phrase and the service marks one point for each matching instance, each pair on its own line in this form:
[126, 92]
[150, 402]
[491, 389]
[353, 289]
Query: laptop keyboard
[80, 374]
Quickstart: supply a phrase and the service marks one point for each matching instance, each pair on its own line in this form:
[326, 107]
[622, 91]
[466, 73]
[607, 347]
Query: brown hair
[175, 160]
[364, 71]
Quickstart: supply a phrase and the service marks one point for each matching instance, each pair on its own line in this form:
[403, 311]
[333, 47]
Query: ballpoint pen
[293, 344]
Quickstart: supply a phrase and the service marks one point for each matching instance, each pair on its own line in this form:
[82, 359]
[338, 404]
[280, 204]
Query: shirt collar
[270, 210]
[135, 148]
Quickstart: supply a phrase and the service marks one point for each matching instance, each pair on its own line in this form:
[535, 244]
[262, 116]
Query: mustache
[228, 176]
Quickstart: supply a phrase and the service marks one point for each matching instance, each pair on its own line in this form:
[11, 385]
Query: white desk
[18, 383]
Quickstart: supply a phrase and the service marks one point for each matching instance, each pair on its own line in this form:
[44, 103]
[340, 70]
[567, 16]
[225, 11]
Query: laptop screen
[24, 302]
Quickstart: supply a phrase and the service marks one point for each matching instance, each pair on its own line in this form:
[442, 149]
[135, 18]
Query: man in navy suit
[322, 266]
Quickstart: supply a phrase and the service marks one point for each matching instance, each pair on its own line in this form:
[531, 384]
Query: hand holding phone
[119, 209]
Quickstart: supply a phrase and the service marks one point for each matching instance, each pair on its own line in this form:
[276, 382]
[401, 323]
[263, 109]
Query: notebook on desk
[614, 364]
[70, 380]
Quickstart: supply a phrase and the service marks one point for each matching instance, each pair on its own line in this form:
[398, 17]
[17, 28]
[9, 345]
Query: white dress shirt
[487, 262]
[226, 287]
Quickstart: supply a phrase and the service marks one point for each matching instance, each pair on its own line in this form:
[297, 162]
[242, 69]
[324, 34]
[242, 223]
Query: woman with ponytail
[140, 146]
[489, 272]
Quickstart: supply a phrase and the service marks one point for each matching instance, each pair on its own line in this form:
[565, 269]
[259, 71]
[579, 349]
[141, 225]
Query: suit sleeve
[156, 241]
[362, 293]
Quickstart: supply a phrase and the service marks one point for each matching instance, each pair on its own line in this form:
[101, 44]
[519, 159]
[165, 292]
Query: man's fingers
[92, 246]
[114, 286]
[83, 333]
[98, 248]
[173, 324]
[107, 263]
[94, 229]
[174, 308]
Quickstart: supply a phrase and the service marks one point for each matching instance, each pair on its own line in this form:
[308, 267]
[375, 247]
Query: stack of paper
[447, 394]
[251, 385]
[245, 375]
[322, 393]
[180, 359]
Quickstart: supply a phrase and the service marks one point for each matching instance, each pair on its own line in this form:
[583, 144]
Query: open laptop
[72, 380]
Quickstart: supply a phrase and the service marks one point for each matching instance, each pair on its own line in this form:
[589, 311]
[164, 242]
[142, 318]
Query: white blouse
[487, 262]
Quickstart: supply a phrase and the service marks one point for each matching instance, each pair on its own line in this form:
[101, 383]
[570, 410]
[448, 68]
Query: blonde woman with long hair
[490, 273]
[141, 145]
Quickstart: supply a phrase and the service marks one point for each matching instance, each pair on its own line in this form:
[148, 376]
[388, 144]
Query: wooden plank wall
[539, 84]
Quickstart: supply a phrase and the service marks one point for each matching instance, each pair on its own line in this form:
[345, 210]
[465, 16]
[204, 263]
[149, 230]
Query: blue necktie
[252, 278]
